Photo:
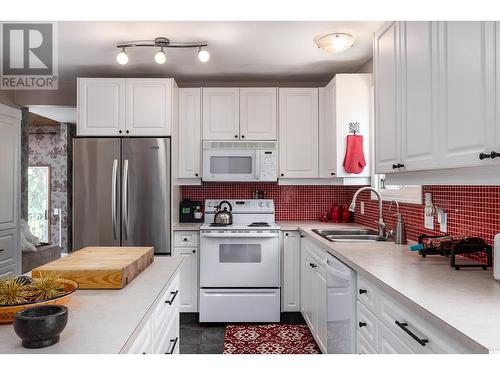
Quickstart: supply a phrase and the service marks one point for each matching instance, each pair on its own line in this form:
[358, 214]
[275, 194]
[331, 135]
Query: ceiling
[279, 52]
[54, 113]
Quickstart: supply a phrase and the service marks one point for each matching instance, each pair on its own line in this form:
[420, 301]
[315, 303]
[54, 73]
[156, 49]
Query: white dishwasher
[341, 307]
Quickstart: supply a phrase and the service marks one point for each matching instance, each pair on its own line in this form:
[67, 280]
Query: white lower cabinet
[291, 271]
[386, 326]
[186, 245]
[313, 291]
[159, 334]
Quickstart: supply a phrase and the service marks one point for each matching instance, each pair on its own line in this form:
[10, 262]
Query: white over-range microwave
[240, 161]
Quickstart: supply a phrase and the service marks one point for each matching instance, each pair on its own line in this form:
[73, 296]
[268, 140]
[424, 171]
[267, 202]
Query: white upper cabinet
[298, 132]
[386, 76]
[189, 134]
[125, 106]
[148, 105]
[258, 117]
[347, 99]
[221, 112]
[435, 98]
[101, 106]
[467, 73]
[419, 122]
[10, 159]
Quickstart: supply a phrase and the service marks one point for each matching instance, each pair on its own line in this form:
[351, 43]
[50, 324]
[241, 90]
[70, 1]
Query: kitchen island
[112, 321]
[463, 304]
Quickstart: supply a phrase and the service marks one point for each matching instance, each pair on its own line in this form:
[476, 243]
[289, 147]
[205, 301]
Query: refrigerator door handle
[125, 198]
[113, 197]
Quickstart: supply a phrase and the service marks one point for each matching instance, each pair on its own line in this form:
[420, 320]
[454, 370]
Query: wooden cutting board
[101, 267]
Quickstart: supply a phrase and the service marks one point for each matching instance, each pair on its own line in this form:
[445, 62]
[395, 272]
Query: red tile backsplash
[292, 202]
[472, 210]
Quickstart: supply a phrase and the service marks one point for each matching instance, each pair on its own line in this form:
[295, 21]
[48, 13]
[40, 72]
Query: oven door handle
[239, 235]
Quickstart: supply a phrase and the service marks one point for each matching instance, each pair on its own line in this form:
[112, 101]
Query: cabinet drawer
[368, 294]
[419, 335]
[143, 343]
[363, 347]
[186, 239]
[7, 245]
[167, 306]
[167, 338]
[7, 272]
[388, 343]
[366, 325]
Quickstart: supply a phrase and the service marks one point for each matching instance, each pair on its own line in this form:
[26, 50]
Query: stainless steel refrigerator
[121, 192]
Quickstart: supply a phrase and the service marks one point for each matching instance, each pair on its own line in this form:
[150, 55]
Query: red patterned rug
[269, 339]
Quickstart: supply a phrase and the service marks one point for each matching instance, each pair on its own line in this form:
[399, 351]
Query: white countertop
[101, 321]
[186, 226]
[464, 303]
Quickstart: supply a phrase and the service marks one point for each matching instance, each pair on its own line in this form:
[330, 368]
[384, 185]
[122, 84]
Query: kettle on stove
[222, 215]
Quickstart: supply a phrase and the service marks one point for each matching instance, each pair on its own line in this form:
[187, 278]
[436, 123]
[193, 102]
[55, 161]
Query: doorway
[39, 198]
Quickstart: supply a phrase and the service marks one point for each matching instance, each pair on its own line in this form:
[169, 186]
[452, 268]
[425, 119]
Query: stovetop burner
[259, 224]
[219, 225]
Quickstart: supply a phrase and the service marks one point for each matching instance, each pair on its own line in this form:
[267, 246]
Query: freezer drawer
[239, 305]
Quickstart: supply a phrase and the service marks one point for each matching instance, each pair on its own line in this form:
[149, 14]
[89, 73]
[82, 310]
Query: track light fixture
[161, 43]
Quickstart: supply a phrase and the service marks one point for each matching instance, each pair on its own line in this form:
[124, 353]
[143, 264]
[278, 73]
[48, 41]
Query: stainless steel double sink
[350, 235]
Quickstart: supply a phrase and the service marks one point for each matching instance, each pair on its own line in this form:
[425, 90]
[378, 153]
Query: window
[401, 193]
[39, 201]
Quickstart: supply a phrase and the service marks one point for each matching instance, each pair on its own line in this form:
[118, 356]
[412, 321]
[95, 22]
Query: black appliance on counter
[190, 211]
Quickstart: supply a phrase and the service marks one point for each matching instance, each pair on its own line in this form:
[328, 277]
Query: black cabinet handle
[173, 294]
[362, 324]
[196, 174]
[236, 136]
[194, 251]
[184, 239]
[286, 234]
[282, 174]
[312, 265]
[363, 291]
[171, 347]
[126, 131]
[397, 166]
[242, 136]
[404, 327]
[119, 131]
[491, 155]
[332, 173]
[4, 249]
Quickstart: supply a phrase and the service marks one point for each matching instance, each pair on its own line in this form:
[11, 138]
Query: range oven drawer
[239, 305]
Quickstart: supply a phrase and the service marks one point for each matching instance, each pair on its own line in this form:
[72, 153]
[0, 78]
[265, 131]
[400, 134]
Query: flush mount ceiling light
[335, 42]
[161, 43]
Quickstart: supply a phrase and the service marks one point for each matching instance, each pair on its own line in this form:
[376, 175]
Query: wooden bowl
[7, 311]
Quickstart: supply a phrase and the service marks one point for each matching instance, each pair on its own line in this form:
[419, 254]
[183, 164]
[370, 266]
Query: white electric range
[240, 264]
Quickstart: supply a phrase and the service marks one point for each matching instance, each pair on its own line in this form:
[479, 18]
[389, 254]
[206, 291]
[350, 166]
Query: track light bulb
[122, 57]
[160, 56]
[203, 55]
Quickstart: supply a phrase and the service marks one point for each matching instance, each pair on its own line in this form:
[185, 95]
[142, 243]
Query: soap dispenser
[400, 231]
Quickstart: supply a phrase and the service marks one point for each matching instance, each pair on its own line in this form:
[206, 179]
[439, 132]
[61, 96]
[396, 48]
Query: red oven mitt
[354, 161]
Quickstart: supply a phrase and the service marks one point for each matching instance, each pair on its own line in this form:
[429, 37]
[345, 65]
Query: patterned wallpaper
[48, 146]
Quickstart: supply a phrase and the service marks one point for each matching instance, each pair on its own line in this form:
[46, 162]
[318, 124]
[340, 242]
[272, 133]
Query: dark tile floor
[208, 338]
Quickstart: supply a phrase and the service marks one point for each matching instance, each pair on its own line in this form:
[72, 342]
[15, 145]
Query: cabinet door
[101, 106]
[419, 123]
[305, 284]
[9, 249]
[291, 271]
[149, 106]
[10, 158]
[387, 129]
[189, 279]
[467, 125]
[298, 127]
[258, 113]
[221, 112]
[189, 133]
[328, 131]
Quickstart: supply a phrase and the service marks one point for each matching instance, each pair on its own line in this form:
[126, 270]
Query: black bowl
[40, 326]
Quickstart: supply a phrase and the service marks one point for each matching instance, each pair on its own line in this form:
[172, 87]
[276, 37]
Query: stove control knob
[260, 204]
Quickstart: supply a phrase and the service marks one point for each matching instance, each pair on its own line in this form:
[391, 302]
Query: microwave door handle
[257, 166]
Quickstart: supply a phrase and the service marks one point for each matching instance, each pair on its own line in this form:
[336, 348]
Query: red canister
[336, 213]
[346, 214]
